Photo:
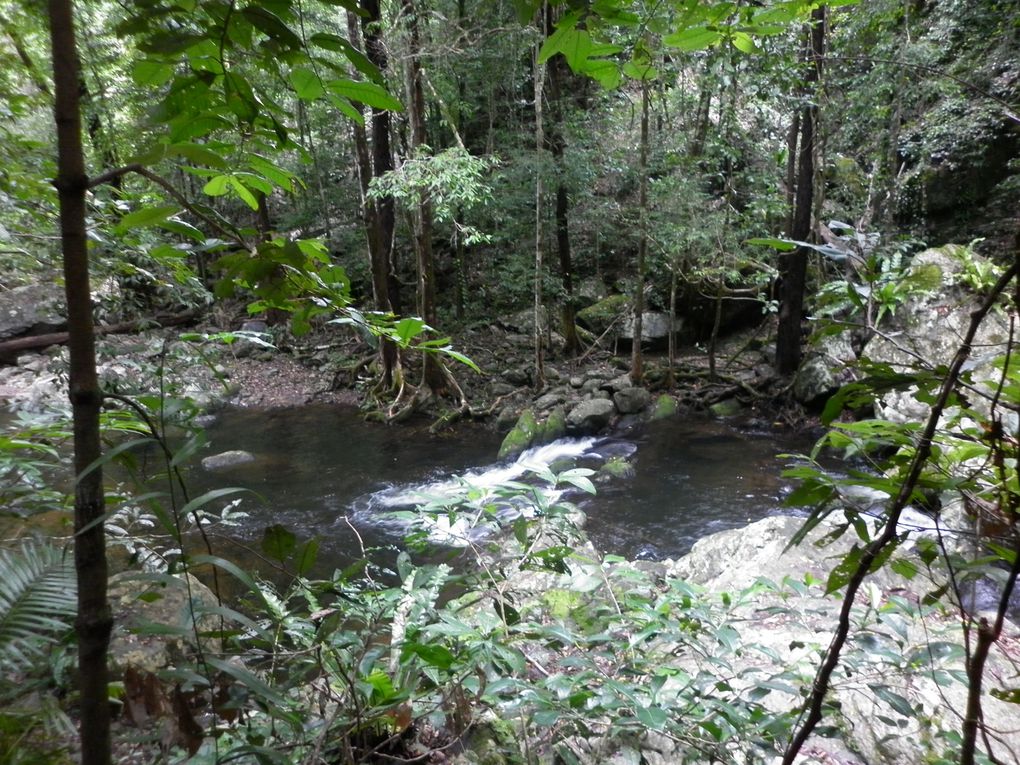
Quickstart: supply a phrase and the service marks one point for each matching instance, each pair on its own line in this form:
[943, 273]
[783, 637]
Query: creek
[322, 471]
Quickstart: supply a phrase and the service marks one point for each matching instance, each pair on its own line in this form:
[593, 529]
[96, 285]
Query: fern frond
[37, 601]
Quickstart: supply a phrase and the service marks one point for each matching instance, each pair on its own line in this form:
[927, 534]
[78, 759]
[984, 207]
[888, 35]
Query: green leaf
[433, 655]
[695, 38]
[783, 245]
[240, 97]
[408, 329]
[340, 45]
[200, 155]
[307, 557]
[272, 25]
[346, 108]
[652, 717]
[743, 42]
[217, 186]
[151, 74]
[243, 191]
[146, 216]
[278, 542]
[307, 84]
[368, 93]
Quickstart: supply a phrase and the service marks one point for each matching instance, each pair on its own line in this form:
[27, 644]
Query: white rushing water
[458, 506]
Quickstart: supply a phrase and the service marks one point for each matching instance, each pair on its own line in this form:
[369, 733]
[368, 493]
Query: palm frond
[37, 601]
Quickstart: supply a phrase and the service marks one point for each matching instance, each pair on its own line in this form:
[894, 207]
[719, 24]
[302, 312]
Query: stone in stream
[590, 416]
[665, 407]
[631, 400]
[521, 436]
[227, 460]
[555, 426]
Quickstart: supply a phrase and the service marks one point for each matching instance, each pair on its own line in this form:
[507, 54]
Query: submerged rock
[226, 460]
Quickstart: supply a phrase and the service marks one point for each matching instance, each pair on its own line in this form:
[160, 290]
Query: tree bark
[637, 370]
[94, 621]
[539, 75]
[378, 239]
[433, 375]
[383, 266]
[557, 146]
[793, 265]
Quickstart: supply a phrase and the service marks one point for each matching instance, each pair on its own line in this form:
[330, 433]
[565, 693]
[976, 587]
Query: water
[322, 471]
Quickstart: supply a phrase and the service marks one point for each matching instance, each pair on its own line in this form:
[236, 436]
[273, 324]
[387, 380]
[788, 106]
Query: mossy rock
[728, 407]
[664, 407]
[617, 467]
[554, 427]
[521, 436]
[600, 316]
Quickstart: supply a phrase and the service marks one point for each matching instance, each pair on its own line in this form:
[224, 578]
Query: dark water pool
[321, 471]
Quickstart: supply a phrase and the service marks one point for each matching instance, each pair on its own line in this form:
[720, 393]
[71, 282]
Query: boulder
[548, 401]
[617, 383]
[824, 369]
[655, 328]
[728, 407]
[521, 436]
[153, 620]
[631, 400]
[227, 460]
[665, 406]
[590, 416]
[37, 309]
[602, 315]
[930, 326]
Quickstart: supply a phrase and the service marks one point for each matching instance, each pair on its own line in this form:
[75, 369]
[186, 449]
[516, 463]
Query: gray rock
[138, 603]
[590, 416]
[589, 386]
[631, 400]
[576, 382]
[501, 389]
[37, 309]
[227, 460]
[618, 383]
[931, 326]
[824, 369]
[548, 401]
[655, 326]
[517, 377]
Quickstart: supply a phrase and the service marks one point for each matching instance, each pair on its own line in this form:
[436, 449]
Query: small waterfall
[481, 487]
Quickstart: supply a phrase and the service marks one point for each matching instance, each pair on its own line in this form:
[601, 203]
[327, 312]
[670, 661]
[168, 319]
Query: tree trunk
[557, 146]
[433, 375]
[382, 158]
[94, 622]
[378, 250]
[539, 75]
[637, 371]
[793, 266]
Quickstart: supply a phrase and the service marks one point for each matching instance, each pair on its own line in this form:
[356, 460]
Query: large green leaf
[367, 93]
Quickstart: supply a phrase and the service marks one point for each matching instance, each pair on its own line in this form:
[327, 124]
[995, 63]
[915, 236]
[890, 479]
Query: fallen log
[9, 348]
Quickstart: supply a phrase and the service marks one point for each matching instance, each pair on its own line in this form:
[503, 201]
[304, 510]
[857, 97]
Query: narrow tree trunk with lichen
[94, 622]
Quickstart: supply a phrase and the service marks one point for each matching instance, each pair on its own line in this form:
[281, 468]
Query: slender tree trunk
[539, 75]
[378, 254]
[433, 375]
[557, 146]
[793, 266]
[94, 622]
[637, 370]
[382, 154]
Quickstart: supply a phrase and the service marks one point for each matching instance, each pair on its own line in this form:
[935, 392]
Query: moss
[598, 317]
[665, 406]
[521, 437]
[554, 427]
[728, 407]
[617, 467]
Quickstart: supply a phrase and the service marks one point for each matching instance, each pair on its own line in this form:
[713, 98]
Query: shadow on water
[316, 466]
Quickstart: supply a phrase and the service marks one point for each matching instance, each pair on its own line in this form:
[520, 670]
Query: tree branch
[823, 679]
